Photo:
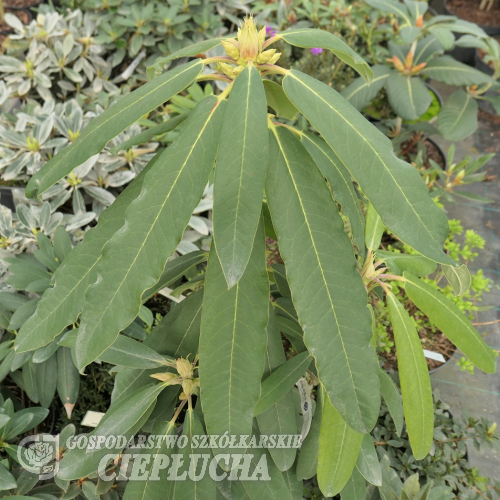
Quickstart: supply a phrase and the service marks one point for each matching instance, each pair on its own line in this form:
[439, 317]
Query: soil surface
[409, 149]
[21, 14]
[21, 3]
[469, 11]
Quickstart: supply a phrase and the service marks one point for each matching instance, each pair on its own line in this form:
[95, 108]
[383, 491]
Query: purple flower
[316, 51]
[270, 32]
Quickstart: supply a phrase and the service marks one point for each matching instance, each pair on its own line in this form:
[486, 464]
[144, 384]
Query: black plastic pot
[7, 198]
[481, 65]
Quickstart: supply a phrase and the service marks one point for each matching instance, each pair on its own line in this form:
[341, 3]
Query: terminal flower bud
[185, 368]
[418, 67]
[274, 58]
[420, 22]
[248, 40]
[231, 49]
[265, 57]
[409, 59]
[165, 377]
[397, 63]
[227, 69]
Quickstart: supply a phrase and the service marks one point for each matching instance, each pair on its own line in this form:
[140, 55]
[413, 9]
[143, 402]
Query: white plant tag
[92, 418]
[434, 355]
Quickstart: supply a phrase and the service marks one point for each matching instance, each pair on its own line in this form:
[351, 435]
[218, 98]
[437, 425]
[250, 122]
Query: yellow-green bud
[231, 49]
[227, 69]
[165, 377]
[265, 57]
[237, 71]
[248, 40]
[262, 37]
[185, 368]
[274, 58]
[492, 428]
[188, 387]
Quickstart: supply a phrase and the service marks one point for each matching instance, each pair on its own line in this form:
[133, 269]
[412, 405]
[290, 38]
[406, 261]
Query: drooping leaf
[355, 488]
[7, 480]
[339, 447]
[392, 399]
[360, 93]
[368, 463]
[458, 116]
[110, 123]
[414, 378]
[61, 305]
[68, 379]
[277, 100]
[394, 187]
[309, 38]
[400, 262]
[240, 173]
[233, 343]
[320, 264]
[340, 182]
[451, 321]
[447, 70]
[458, 277]
[134, 259]
[46, 379]
[408, 97]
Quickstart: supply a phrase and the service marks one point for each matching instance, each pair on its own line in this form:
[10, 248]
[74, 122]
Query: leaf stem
[218, 59]
[214, 76]
[176, 415]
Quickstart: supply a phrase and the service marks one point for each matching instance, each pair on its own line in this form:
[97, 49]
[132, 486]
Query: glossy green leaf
[415, 264]
[368, 463]
[110, 123]
[414, 378]
[233, 343]
[309, 38]
[392, 398]
[68, 380]
[281, 381]
[340, 182]
[279, 419]
[134, 259]
[447, 70]
[240, 173]
[355, 488]
[458, 277]
[278, 101]
[339, 448]
[361, 93]
[394, 187]
[61, 305]
[7, 480]
[320, 263]
[451, 321]
[408, 97]
[458, 116]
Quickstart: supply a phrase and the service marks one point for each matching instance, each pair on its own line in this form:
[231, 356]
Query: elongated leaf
[360, 93]
[295, 485]
[240, 173]
[392, 6]
[447, 70]
[392, 399]
[309, 38]
[110, 123]
[279, 419]
[368, 463]
[416, 264]
[374, 229]
[458, 277]
[458, 116]
[7, 480]
[233, 343]
[61, 305]
[125, 351]
[124, 418]
[451, 321]
[408, 97]
[68, 380]
[290, 327]
[394, 187]
[46, 378]
[281, 381]
[277, 100]
[341, 185]
[339, 447]
[133, 260]
[320, 264]
[355, 488]
[414, 378]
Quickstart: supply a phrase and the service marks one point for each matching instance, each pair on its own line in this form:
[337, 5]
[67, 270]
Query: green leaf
[361, 93]
[68, 380]
[279, 419]
[233, 343]
[458, 277]
[61, 305]
[277, 100]
[134, 259]
[146, 135]
[392, 399]
[408, 97]
[12, 301]
[309, 38]
[110, 123]
[368, 463]
[340, 182]
[451, 321]
[281, 381]
[125, 351]
[394, 187]
[46, 379]
[374, 229]
[339, 448]
[415, 264]
[447, 70]
[7, 480]
[24, 420]
[45, 254]
[355, 488]
[414, 378]
[458, 116]
[124, 418]
[62, 244]
[295, 485]
[30, 381]
[320, 263]
[290, 327]
[240, 173]
[394, 7]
